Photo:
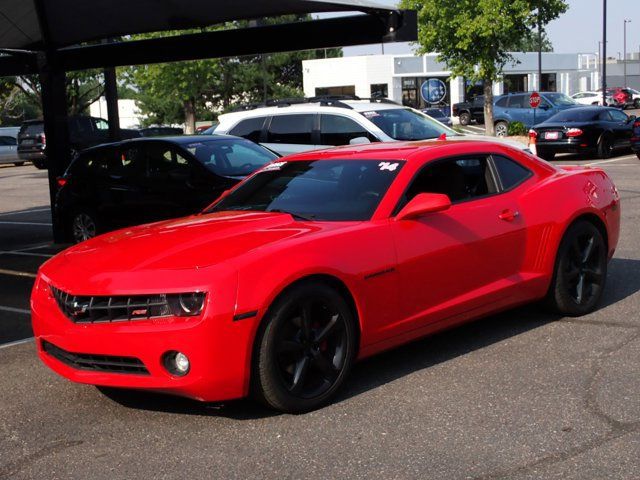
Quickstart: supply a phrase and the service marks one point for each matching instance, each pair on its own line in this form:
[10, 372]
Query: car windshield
[230, 157]
[575, 115]
[407, 124]
[560, 99]
[323, 190]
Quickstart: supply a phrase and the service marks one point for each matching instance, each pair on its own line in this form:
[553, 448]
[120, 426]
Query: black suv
[83, 132]
[468, 111]
[150, 179]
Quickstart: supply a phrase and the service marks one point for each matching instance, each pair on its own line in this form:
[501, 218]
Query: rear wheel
[636, 103]
[502, 129]
[18, 164]
[546, 154]
[580, 271]
[83, 225]
[465, 118]
[39, 164]
[305, 349]
[605, 146]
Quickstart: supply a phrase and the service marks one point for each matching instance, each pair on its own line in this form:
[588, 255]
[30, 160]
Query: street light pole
[539, 54]
[624, 59]
[604, 50]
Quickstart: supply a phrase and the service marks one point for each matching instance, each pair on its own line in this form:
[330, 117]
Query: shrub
[517, 129]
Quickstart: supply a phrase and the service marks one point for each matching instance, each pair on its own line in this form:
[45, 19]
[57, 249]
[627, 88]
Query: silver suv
[297, 125]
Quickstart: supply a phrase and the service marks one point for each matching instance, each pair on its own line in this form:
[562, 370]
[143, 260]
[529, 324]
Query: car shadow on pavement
[402, 361]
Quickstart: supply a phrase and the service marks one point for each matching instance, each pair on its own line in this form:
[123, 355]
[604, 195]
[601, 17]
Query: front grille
[97, 309]
[96, 363]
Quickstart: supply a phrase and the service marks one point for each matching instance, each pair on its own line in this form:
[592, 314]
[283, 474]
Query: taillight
[574, 132]
[61, 181]
[43, 138]
[636, 124]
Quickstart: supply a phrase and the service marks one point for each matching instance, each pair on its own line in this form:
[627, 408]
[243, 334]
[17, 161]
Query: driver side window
[461, 179]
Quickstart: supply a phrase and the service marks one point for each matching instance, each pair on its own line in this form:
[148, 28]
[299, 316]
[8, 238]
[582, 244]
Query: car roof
[312, 107]
[401, 150]
[176, 139]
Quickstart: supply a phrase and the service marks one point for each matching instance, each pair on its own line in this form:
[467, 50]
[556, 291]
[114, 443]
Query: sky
[577, 31]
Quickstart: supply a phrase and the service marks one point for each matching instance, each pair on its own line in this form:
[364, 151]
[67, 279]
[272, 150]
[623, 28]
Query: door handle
[508, 215]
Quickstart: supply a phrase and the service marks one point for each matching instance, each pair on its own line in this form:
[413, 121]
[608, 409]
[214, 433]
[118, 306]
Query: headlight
[186, 304]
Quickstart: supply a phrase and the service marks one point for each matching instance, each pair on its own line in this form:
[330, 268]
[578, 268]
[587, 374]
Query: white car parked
[589, 98]
[293, 126]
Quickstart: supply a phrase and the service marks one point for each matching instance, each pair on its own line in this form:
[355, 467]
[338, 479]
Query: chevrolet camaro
[320, 259]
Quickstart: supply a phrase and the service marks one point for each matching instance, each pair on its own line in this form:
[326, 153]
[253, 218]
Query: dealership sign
[433, 90]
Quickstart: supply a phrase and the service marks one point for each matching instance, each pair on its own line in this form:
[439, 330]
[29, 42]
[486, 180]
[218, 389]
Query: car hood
[188, 243]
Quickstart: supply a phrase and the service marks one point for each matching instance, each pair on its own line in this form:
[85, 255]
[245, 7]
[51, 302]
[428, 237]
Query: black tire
[465, 118]
[305, 348]
[605, 146]
[638, 155]
[502, 129]
[546, 154]
[636, 103]
[39, 164]
[82, 225]
[18, 164]
[580, 271]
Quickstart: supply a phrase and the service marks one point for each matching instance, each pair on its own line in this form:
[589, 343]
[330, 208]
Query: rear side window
[517, 101]
[291, 129]
[618, 116]
[338, 130]
[251, 129]
[100, 162]
[502, 102]
[511, 173]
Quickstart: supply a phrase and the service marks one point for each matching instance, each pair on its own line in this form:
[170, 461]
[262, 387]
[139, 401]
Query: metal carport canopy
[51, 37]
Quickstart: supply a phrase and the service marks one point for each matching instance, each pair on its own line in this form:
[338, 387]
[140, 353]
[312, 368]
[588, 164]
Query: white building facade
[409, 79]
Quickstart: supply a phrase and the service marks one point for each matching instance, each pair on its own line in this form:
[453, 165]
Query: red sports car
[320, 259]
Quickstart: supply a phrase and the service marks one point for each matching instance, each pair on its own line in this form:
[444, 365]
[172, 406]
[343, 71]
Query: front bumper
[219, 349]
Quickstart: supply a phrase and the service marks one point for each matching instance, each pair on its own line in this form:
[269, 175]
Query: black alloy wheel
[605, 146]
[305, 350]
[581, 270]
[465, 118]
[83, 226]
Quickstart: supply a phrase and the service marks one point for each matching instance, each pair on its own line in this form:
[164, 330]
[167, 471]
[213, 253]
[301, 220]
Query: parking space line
[17, 342]
[602, 162]
[26, 212]
[38, 224]
[17, 273]
[27, 254]
[34, 247]
[14, 310]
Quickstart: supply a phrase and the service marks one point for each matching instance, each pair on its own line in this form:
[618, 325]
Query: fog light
[176, 363]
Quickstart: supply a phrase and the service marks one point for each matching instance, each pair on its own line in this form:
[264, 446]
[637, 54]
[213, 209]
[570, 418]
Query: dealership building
[419, 81]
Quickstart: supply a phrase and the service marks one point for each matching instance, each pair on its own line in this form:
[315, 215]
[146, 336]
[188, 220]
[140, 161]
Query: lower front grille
[97, 363]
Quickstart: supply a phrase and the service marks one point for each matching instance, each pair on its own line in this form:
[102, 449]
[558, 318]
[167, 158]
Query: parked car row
[513, 107]
[84, 132]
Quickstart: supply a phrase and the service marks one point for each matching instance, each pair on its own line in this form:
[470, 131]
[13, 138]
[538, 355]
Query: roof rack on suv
[323, 100]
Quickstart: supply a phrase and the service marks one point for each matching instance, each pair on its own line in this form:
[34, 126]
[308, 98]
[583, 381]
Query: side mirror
[359, 141]
[422, 204]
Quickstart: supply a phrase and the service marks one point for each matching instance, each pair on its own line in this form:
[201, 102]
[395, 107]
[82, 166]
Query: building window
[379, 90]
[424, 92]
[515, 83]
[473, 89]
[548, 83]
[334, 91]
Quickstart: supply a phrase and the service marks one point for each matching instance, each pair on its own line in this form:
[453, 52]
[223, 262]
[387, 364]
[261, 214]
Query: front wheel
[502, 129]
[305, 349]
[580, 271]
[465, 118]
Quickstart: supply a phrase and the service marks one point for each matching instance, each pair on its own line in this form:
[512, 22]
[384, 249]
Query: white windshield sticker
[274, 166]
[370, 114]
[388, 166]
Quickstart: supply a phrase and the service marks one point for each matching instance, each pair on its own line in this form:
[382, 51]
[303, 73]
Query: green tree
[474, 37]
[185, 91]
[530, 43]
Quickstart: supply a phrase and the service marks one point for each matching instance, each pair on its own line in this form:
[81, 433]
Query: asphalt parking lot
[521, 395]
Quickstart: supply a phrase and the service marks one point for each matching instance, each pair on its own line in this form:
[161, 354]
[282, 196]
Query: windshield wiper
[296, 216]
